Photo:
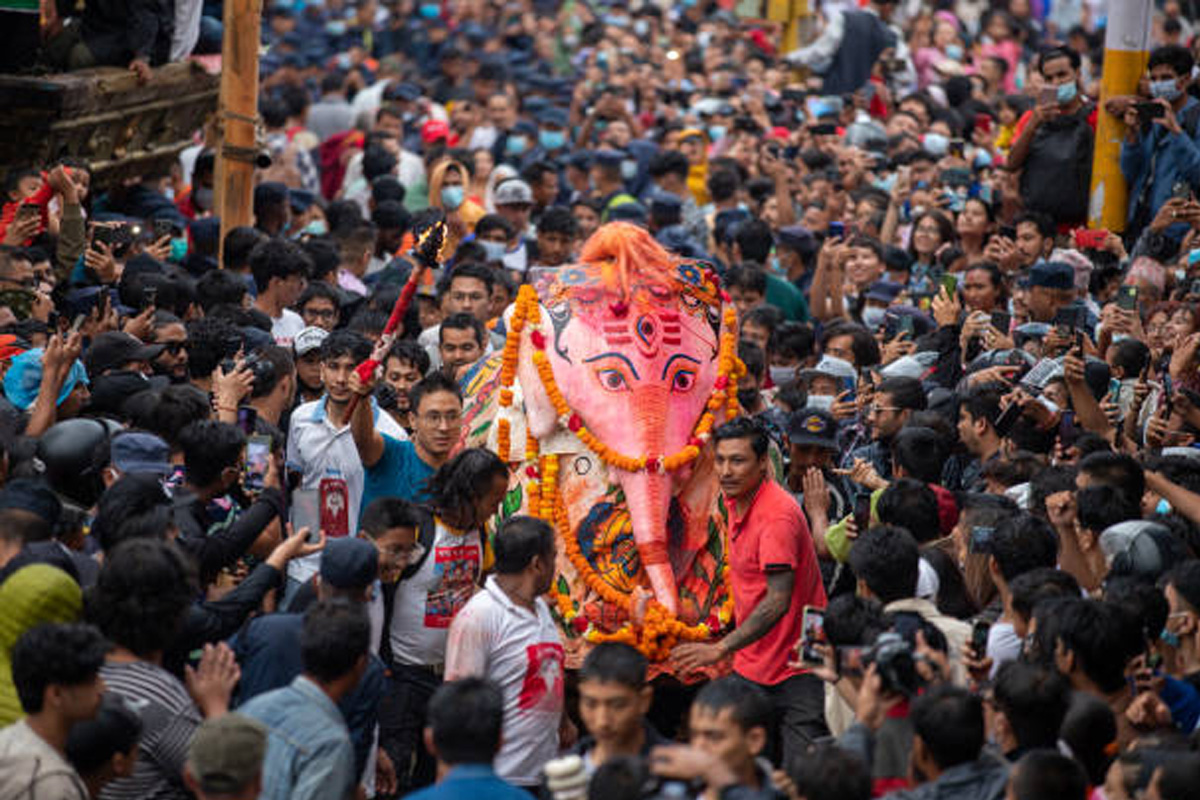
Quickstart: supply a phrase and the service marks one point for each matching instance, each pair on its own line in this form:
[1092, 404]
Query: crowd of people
[962, 492]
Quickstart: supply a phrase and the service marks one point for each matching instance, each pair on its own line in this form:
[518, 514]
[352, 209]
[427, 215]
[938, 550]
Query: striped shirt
[169, 718]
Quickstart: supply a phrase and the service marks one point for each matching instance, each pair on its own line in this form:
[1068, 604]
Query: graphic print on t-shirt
[543, 687]
[454, 573]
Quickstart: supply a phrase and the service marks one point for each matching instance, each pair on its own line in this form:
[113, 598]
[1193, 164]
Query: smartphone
[258, 454]
[1168, 390]
[837, 229]
[1007, 419]
[1114, 388]
[981, 536]
[1090, 240]
[949, 282]
[979, 637]
[335, 507]
[1127, 298]
[1181, 190]
[812, 632]
[247, 419]
[163, 227]
[1048, 96]
[1064, 322]
[28, 211]
[957, 146]
[862, 512]
[1195, 288]
[906, 325]
[1147, 111]
[149, 297]
[1002, 321]
[1008, 232]
[894, 65]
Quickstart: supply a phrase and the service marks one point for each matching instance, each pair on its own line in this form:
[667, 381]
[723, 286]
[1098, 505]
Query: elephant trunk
[648, 498]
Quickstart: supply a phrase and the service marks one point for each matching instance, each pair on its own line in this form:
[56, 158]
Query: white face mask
[782, 375]
[872, 316]
[821, 402]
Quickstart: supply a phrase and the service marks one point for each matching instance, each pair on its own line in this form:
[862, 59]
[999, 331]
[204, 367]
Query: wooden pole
[237, 116]
[1125, 57]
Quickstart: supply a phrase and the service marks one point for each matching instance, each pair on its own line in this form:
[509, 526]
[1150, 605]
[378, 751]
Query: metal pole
[1125, 57]
[237, 115]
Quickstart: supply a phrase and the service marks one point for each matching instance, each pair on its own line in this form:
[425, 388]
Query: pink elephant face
[638, 371]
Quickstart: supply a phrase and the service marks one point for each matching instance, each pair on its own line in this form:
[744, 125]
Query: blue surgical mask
[1163, 508]
[821, 402]
[1167, 90]
[336, 27]
[954, 52]
[782, 375]
[552, 140]
[514, 145]
[429, 10]
[872, 316]
[495, 250]
[886, 182]
[704, 39]
[935, 144]
[1067, 93]
[452, 197]
[716, 132]
[179, 248]
[629, 169]
[982, 160]
[641, 28]
[317, 227]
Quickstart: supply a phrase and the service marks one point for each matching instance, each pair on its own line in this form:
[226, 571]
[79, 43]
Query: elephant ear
[539, 411]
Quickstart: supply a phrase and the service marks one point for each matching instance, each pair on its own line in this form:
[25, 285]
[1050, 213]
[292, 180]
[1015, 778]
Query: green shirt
[784, 295]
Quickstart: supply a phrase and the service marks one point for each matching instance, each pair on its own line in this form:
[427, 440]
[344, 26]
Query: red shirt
[771, 536]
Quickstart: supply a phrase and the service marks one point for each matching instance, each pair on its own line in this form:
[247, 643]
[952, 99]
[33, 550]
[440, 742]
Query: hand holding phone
[812, 633]
[258, 456]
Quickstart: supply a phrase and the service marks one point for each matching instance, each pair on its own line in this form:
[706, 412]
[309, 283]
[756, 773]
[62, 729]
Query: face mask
[514, 145]
[316, 228]
[983, 159]
[629, 170]
[429, 10]
[336, 27]
[935, 144]
[552, 140]
[1163, 508]
[954, 52]
[872, 317]
[452, 197]
[704, 39]
[886, 183]
[495, 250]
[202, 198]
[1066, 93]
[782, 375]
[716, 132]
[179, 248]
[1166, 90]
[641, 28]
[820, 402]
[747, 397]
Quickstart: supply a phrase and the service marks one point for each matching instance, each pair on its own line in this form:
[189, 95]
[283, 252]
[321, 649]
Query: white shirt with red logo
[521, 651]
[427, 602]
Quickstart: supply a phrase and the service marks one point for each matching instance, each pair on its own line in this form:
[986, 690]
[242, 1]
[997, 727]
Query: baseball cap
[798, 238]
[309, 339]
[513, 192]
[141, 452]
[226, 753]
[884, 291]
[831, 367]
[1139, 548]
[1052, 275]
[33, 495]
[349, 563]
[434, 130]
[111, 349]
[813, 426]
[405, 92]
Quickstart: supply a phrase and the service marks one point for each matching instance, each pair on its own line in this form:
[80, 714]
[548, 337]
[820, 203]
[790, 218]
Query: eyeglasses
[319, 313]
[174, 348]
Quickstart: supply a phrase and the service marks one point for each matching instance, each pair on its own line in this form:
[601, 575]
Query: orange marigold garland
[657, 631]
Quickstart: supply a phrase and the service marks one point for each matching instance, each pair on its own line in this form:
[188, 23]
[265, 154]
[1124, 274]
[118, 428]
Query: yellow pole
[1125, 57]
[237, 115]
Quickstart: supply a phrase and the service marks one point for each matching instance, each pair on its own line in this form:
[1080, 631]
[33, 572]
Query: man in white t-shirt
[321, 448]
[280, 269]
[506, 634]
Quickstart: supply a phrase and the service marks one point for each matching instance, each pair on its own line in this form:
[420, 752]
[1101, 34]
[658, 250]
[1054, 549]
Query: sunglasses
[174, 348]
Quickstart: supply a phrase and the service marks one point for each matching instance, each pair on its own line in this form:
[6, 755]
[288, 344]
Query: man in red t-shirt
[774, 575]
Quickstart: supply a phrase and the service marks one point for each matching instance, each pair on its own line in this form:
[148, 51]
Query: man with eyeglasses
[895, 401]
[397, 468]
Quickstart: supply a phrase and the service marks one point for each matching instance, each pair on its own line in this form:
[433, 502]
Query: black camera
[262, 370]
[895, 663]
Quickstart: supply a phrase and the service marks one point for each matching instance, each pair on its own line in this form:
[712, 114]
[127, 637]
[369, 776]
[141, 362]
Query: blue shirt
[268, 651]
[1178, 160]
[309, 756]
[470, 782]
[399, 472]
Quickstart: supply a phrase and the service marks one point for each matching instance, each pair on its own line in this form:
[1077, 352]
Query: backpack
[1056, 178]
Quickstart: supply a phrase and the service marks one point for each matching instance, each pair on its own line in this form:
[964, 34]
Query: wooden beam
[237, 116]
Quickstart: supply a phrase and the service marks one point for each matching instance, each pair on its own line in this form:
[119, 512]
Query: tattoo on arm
[768, 611]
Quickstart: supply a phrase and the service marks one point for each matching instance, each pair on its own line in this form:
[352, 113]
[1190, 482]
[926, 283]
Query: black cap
[111, 349]
[813, 426]
[32, 495]
[349, 563]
